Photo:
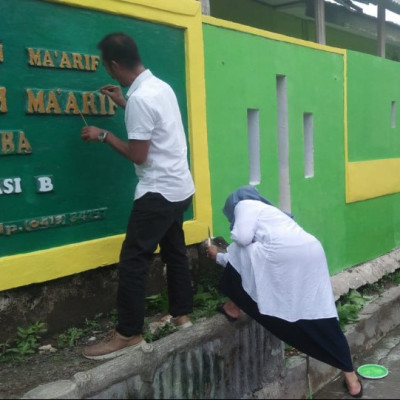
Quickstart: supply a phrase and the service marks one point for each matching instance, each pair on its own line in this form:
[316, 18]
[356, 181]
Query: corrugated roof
[392, 5]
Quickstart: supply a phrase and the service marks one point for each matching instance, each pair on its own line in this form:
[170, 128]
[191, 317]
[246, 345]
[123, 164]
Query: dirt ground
[17, 378]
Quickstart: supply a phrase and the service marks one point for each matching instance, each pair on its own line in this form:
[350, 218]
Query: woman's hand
[211, 252]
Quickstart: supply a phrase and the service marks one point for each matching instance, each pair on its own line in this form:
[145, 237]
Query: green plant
[205, 301]
[25, 344]
[160, 332]
[70, 337]
[349, 306]
[157, 303]
[113, 316]
[376, 288]
[396, 277]
[4, 347]
[93, 324]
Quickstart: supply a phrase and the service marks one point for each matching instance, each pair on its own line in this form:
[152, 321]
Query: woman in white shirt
[277, 273]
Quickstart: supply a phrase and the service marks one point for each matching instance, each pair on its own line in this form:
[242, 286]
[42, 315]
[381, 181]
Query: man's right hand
[115, 93]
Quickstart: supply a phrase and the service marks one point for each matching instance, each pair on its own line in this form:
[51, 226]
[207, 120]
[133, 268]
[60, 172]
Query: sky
[371, 9]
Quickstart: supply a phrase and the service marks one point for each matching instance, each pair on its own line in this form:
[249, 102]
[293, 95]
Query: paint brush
[209, 238]
[84, 120]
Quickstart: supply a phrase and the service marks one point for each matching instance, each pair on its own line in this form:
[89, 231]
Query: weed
[158, 303]
[113, 316]
[4, 348]
[161, 332]
[70, 337]
[25, 344]
[349, 306]
[379, 287]
[93, 325]
[205, 301]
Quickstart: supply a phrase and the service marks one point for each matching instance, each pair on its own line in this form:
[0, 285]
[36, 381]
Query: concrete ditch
[218, 359]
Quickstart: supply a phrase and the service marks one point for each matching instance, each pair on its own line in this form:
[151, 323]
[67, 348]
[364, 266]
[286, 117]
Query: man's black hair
[121, 48]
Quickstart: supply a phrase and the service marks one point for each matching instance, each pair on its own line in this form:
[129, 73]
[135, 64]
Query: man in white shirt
[157, 147]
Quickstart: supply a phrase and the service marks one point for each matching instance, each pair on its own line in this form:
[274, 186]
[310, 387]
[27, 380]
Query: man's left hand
[90, 133]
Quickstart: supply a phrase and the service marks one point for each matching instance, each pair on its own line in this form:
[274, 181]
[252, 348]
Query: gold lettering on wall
[77, 61]
[1, 53]
[103, 110]
[40, 101]
[65, 63]
[71, 104]
[14, 142]
[24, 146]
[94, 62]
[111, 106]
[3, 100]
[35, 103]
[34, 58]
[88, 103]
[52, 104]
[46, 58]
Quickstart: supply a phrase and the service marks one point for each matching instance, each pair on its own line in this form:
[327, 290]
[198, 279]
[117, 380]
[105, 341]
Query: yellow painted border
[270, 35]
[44, 265]
[369, 179]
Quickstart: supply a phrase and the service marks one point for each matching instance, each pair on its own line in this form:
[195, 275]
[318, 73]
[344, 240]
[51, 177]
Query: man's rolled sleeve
[139, 119]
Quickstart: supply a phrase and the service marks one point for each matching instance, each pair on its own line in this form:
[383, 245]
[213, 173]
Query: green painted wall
[241, 71]
[373, 84]
[85, 176]
[373, 226]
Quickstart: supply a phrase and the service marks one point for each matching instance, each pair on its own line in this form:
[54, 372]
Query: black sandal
[356, 396]
[220, 309]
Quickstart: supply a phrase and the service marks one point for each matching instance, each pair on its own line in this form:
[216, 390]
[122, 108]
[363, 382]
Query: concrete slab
[386, 353]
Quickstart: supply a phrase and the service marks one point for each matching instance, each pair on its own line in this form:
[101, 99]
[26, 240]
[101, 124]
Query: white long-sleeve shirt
[283, 268]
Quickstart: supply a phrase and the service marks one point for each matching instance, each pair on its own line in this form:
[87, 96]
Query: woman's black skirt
[321, 339]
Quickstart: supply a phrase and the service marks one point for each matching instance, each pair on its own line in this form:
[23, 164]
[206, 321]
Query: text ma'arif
[62, 59]
[62, 102]
[67, 102]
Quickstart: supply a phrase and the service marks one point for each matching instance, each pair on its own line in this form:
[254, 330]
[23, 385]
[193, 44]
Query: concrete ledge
[218, 359]
[212, 359]
[366, 273]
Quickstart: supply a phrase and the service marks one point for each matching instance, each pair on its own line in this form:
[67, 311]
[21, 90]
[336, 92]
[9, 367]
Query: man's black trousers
[154, 220]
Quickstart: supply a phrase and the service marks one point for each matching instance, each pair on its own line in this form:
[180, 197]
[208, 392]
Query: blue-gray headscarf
[243, 193]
